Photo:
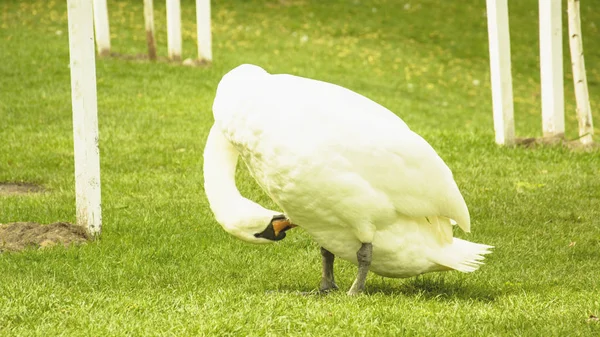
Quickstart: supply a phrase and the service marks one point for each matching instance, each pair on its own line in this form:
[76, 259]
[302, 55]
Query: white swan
[344, 168]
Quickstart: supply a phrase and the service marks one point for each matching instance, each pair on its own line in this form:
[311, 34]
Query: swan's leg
[327, 280]
[364, 255]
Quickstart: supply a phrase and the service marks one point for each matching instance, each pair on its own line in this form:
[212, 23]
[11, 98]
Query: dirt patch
[19, 188]
[574, 145]
[146, 58]
[17, 236]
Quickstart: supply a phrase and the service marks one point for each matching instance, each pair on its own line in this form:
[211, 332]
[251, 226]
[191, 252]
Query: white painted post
[85, 117]
[174, 29]
[500, 68]
[551, 68]
[584, 111]
[203, 30]
[101, 27]
[149, 22]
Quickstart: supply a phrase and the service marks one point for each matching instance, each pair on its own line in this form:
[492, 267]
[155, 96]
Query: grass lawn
[163, 266]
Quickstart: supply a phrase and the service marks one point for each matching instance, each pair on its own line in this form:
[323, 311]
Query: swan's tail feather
[463, 255]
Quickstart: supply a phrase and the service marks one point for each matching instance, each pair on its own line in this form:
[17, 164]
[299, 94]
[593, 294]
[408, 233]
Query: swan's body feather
[348, 171]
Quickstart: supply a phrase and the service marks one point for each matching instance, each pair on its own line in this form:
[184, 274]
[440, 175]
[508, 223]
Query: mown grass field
[164, 267]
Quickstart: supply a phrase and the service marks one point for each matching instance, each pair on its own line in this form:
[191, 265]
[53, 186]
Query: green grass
[164, 267]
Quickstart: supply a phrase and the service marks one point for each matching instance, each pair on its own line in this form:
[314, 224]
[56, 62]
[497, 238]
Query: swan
[348, 171]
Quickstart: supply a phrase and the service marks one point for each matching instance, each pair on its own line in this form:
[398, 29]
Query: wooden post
[149, 22]
[203, 30]
[551, 68]
[85, 117]
[500, 68]
[101, 27]
[584, 111]
[174, 29]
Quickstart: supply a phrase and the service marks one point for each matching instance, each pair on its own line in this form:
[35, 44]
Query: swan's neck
[238, 215]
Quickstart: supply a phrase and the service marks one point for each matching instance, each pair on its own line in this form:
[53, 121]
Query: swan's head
[276, 229]
[255, 224]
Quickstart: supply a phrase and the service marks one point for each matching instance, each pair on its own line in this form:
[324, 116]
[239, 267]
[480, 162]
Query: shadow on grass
[427, 287]
[435, 287]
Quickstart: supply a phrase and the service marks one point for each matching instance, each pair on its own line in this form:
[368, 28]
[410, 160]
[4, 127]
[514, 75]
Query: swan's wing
[377, 144]
[409, 171]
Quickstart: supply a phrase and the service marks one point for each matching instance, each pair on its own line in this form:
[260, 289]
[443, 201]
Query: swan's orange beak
[282, 226]
[275, 231]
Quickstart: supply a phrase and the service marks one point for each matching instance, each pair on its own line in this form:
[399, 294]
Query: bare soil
[146, 58]
[19, 188]
[18, 236]
[574, 145]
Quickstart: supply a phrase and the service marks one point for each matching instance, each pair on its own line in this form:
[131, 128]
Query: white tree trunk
[203, 28]
[500, 68]
[174, 29]
[101, 27]
[149, 23]
[85, 117]
[551, 68]
[584, 111]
